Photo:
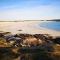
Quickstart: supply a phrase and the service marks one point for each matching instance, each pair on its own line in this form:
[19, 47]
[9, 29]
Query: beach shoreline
[28, 27]
[24, 39]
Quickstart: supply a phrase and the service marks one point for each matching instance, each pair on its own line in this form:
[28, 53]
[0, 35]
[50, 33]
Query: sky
[29, 9]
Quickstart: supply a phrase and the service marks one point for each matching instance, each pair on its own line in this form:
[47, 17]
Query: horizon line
[29, 20]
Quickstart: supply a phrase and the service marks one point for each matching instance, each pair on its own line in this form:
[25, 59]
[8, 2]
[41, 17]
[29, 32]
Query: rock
[20, 30]
[4, 33]
[56, 40]
[16, 40]
[43, 36]
[23, 36]
[8, 36]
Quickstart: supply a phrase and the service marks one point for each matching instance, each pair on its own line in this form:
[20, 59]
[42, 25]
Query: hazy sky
[29, 9]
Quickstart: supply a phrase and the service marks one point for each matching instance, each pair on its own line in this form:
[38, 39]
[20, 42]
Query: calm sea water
[51, 25]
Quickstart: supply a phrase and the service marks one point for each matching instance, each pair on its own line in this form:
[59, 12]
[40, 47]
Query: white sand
[29, 27]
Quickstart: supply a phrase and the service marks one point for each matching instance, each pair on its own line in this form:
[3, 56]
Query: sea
[53, 25]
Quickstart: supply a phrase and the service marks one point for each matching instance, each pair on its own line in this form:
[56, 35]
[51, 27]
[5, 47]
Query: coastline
[25, 39]
[29, 27]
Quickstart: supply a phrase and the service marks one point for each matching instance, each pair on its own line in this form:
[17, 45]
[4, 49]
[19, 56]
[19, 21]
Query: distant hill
[54, 20]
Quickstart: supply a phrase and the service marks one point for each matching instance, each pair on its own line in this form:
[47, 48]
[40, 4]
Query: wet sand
[29, 27]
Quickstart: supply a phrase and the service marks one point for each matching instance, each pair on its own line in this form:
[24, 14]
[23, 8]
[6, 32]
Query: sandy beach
[29, 27]
[27, 41]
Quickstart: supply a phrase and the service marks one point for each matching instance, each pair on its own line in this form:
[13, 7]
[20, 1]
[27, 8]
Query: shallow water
[51, 25]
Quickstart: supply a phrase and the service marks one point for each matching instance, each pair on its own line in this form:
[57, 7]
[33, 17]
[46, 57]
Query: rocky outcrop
[29, 46]
[56, 40]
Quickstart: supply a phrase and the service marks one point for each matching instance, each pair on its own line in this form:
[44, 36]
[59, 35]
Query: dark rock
[1, 35]
[8, 36]
[17, 41]
[43, 36]
[20, 30]
[56, 40]
[23, 36]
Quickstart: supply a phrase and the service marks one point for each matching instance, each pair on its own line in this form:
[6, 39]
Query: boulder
[56, 40]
